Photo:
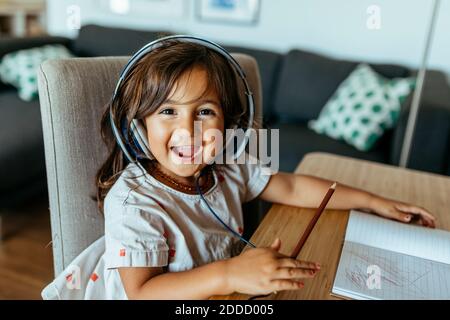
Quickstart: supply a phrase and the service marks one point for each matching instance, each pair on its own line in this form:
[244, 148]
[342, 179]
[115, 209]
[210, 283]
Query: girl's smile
[177, 129]
[186, 153]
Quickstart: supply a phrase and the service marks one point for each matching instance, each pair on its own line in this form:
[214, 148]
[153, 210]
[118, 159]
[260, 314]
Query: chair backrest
[73, 93]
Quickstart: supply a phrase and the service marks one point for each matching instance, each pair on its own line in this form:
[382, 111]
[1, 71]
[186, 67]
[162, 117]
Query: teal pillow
[363, 107]
[20, 68]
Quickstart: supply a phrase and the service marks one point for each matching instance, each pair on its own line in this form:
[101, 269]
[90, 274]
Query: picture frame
[244, 12]
[159, 9]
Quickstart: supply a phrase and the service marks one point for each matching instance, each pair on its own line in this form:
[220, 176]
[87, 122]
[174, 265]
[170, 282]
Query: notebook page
[400, 276]
[390, 235]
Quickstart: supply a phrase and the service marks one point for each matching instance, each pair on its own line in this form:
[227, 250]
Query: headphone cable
[197, 186]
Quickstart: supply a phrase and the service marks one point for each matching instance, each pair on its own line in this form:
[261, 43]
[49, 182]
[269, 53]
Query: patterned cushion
[363, 107]
[20, 68]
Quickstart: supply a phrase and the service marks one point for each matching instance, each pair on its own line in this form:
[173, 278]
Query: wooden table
[324, 245]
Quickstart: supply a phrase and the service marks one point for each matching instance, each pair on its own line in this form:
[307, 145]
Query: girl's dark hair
[148, 85]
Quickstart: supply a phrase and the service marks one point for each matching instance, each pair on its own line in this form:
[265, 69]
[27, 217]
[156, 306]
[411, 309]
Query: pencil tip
[333, 186]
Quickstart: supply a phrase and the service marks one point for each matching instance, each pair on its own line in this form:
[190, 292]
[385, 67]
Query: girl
[161, 241]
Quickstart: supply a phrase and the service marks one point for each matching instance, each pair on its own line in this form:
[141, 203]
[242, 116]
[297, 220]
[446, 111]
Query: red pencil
[313, 222]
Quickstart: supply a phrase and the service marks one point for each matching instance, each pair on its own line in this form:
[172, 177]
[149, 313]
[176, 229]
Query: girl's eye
[206, 112]
[166, 111]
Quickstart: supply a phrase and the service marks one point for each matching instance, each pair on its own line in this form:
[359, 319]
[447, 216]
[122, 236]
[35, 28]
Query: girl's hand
[264, 270]
[401, 211]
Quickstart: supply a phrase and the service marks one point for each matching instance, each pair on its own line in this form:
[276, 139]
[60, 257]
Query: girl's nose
[188, 130]
[187, 124]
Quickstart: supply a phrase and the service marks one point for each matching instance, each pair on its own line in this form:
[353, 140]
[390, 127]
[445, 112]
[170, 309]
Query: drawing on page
[391, 273]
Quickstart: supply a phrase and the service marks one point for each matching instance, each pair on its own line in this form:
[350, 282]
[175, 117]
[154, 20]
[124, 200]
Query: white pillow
[20, 68]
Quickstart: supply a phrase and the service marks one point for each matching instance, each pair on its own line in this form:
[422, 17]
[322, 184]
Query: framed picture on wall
[156, 9]
[228, 11]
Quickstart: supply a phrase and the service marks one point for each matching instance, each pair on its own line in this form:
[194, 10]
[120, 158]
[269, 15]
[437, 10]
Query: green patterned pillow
[20, 68]
[363, 107]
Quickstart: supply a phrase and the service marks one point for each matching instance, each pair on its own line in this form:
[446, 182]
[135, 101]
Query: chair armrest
[11, 44]
[431, 140]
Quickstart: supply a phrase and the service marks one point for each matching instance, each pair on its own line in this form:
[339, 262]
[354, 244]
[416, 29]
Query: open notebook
[385, 259]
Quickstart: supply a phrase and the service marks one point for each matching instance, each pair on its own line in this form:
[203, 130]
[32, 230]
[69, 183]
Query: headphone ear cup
[140, 154]
[140, 137]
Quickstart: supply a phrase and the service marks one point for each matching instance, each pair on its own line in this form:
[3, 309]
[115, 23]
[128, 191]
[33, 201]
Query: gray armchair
[72, 95]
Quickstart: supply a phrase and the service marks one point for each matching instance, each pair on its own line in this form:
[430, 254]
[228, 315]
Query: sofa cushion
[363, 107]
[22, 147]
[269, 64]
[307, 80]
[430, 150]
[430, 146]
[19, 68]
[94, 41]
[296, 140]
[11, 44]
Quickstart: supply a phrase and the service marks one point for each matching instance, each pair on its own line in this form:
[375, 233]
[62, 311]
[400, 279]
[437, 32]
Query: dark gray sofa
[22, 162]
[296, 85]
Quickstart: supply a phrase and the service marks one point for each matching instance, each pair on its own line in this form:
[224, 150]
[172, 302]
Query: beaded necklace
[168, 180]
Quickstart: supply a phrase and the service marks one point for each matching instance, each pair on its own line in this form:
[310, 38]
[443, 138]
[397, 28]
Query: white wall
[334, 27]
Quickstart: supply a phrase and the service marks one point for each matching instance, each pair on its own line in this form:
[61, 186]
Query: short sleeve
[134, 237]
[256, 177]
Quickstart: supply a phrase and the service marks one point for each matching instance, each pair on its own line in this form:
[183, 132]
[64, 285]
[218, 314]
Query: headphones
[138, 131]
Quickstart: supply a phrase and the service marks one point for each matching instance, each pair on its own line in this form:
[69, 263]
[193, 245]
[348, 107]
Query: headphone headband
[137, 129]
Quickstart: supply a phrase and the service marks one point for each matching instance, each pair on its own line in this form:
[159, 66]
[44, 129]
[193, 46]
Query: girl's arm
[308, 191]
[255, 271]
[153, 283]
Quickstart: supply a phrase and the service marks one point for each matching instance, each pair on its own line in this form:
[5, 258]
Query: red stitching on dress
[122, 252]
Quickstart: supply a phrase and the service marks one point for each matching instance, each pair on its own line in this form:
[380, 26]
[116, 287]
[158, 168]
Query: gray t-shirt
[150, 224]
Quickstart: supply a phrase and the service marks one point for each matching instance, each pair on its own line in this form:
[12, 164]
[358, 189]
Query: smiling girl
[161, 242]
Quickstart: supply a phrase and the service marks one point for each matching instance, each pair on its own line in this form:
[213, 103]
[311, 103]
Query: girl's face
[170, 129]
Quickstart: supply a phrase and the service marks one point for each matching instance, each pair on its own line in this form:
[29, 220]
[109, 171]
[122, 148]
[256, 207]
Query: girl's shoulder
[246, 178]
[128, 189]
[243, 169]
